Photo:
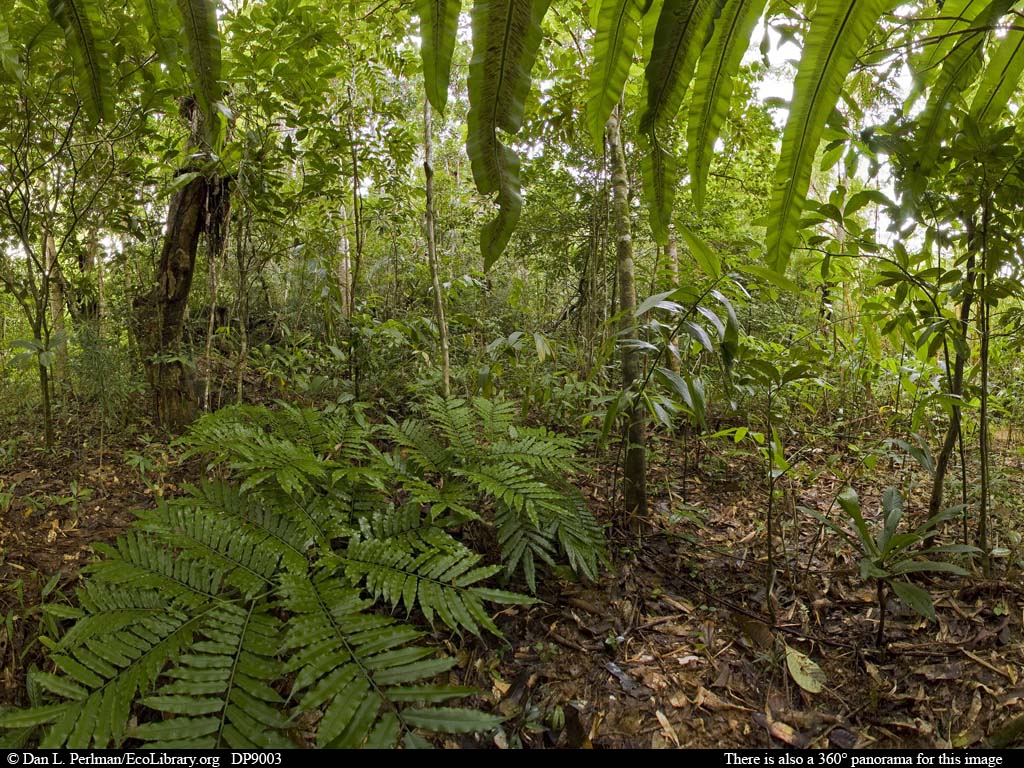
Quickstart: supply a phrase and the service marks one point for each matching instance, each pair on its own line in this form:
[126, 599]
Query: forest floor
[673, 648]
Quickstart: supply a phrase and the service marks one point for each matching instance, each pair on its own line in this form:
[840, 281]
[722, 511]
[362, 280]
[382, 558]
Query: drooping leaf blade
[202, 49]
[615, 39]
[439, 22]
[1000, 78]
[506, 36]
[80, 21]
[713, 86]
[838, 30]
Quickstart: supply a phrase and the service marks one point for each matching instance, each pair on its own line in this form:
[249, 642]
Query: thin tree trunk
[672, 268]
[442, 325]
[983, 316]
[956, 389]
[56, 300]
[635, 471]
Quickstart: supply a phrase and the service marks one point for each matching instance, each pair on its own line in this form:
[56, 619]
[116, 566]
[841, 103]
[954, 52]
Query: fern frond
[80, 21]
[357, 665]
[439, 21]
[220, 693]
[713, 85]
[202, 46]
[522, 542]
[495, 417]
[838, 30]
[457, 423]
[419, 445]
[615, 39]
[506, 36]
[1000, 79]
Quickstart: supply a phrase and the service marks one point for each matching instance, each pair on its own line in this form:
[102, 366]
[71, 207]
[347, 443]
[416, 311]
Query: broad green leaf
[1000, 79]
[202, 48]
[850, 503]
[684, 27]
[771, 276]
[915, 597]
[805, 672]
[163, 21]
[713, 86]
[506, 36]
[959, 70]
[80, 21]
[615, 39]
[838, 30]
[659, 170]
[439, 22]
[703, 254]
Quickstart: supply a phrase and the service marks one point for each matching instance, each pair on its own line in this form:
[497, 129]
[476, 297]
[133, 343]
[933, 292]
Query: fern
[80, 21]
[615, 39]
[439, 21]
[1000, 79]
[226, 615]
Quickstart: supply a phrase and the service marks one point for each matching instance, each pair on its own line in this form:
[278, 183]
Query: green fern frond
[358, 666]
[713, 86]
[615, 39]
[455, 420]
[220, 693]
[419, 445]
[496, 418]
[1000, 79]
[80, 21]
[439, 21]
[202, 46]
[522, 542]
[506, 37]
[838, 30]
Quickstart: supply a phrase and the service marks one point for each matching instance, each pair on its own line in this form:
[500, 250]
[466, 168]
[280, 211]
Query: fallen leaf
[804, 672]
[666, 727]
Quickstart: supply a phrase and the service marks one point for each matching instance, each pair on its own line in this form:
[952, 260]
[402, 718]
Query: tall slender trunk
[56, 301]
[983, 317]
[672, 270]
[635, 472]
[442, 325]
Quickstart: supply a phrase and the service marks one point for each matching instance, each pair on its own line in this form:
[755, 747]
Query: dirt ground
[673, 648]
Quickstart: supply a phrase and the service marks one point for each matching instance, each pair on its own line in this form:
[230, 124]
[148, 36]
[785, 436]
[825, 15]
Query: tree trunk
[56, 299]
[160, 313]
[956, 389]
[672, 268]
[635, 472]
[442, 325]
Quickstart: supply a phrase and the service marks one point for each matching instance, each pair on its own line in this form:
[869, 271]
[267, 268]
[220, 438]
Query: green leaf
[202, 49]
[705, 257]
[618, 29]
[777, 279]
[838, 30]
[850, 503]
[80, 21]
[506, 36]
[451, 720]
[439, 22]
[959, 70]
[915, 597]
[1000, 79]
[805, 672]
[713, 86]
[684, 27]
[659, 171]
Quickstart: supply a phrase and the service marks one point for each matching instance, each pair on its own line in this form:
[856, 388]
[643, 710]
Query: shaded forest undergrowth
[671, 647]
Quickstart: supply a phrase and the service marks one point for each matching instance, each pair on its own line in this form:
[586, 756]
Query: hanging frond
[659, 171]
[615, 39]
[1000, 79]
[506, 36]
[202, 48]
[439, 22]
[713, 86]
[80, 21]
[838, 30]
[959, 70]
[684, 27]
[164, 23]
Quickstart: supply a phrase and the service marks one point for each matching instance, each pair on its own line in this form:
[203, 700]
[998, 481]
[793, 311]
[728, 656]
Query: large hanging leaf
[439, 21]
[942, 35]
[164, 22]
[712, 90]
[1000, 79]
[80, 19]
[618, 28]
[506, 36]
[659, 170]
[684, 27]
[838, 30]
[203, 54]
[958, 72]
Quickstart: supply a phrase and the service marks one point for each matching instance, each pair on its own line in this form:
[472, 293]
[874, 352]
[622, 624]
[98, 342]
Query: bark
[672, 268]
[160, 313]
[56, 299]
[635, 472]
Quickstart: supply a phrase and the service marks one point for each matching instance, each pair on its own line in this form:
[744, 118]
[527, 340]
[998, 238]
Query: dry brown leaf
[666, 727]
